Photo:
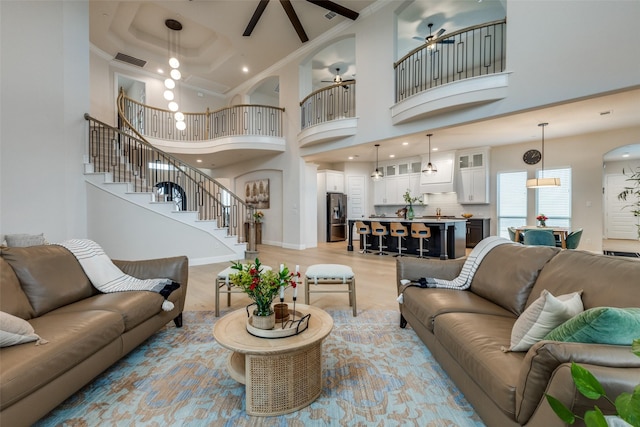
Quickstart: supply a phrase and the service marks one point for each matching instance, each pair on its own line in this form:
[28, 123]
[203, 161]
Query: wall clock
[532, 157]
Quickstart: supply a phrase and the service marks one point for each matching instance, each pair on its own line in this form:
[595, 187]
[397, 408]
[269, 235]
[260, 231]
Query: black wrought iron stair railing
[131, 159]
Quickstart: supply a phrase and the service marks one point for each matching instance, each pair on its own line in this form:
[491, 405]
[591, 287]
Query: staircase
[195, 215]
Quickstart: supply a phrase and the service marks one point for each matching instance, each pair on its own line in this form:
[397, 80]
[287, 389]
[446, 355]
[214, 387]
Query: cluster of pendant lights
[170, 82]
[377, 174]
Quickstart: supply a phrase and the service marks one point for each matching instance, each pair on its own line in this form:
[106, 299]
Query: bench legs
[351, 289]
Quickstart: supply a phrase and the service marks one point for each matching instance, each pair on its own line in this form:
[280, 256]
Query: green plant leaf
[628, 406]
[586, 383]
[635, 347]
[595, 418]
[561, 411]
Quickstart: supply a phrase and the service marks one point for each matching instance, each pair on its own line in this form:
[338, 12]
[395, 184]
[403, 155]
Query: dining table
[561, 232]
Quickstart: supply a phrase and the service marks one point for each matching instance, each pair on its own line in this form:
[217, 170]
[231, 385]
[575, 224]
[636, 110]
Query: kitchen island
[447, 241]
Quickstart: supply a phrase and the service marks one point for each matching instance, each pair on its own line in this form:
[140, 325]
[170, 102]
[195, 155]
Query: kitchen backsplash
[448, 204]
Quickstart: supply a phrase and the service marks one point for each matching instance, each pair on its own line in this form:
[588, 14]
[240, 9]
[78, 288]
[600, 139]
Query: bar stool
[422, 232]
[363, 230]
[224, 285]
[377, 229]
[399, 230]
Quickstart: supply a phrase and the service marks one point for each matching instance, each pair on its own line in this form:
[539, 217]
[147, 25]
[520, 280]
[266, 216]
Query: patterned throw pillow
[600, 325]
[541, 317]
[14, 330]
[24, 240]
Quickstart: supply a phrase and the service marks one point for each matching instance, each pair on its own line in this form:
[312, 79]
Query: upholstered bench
[331, 274]
[224, 285]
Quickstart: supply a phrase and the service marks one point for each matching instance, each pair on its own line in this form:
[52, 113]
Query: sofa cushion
[473, 340]
[49, 275]
[600, 325]
[606, 281]
[72, 338]
[13, 299]
[134, 307]
[507, 274]
[14, 331]
[428, 303]
[543, 316]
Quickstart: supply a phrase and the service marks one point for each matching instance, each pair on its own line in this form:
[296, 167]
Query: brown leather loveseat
[87, 331]
[466, 330]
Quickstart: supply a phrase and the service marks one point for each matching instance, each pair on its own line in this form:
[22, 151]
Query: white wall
[45, 92]
[147, 232]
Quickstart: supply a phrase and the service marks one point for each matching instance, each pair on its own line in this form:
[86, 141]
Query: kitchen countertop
[416, 219]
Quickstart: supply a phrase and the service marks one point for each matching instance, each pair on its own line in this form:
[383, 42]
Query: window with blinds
[555, 202]
[512, 201]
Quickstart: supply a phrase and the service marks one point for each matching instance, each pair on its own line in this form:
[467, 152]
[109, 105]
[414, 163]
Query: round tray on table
[291, 327]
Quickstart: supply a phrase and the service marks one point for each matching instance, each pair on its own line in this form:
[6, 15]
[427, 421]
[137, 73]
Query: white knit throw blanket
[106, 276]
[469, 268]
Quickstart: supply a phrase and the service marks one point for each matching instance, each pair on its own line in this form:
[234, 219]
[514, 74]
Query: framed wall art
[256, 193]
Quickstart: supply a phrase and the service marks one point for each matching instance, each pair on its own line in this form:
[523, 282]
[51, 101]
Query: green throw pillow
[600, 325]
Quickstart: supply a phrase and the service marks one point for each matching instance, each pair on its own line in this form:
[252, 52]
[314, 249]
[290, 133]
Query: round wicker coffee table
[281, 375]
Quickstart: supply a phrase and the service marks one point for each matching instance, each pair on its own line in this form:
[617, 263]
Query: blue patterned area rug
[375, 373]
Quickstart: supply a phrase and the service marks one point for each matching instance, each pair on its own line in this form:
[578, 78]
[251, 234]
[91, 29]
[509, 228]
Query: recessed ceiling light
[199, 160]
[405, 143]
[245, 69]
[434, 149]
[392, 155]
[160, 71]
[350, 157]
[625, 155]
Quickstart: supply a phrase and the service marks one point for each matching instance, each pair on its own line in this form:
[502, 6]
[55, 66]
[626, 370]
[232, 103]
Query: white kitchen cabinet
[473, 171]
[333, 180]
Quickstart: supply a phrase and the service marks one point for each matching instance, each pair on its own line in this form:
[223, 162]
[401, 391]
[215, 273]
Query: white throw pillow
[541, 317]
[14, 330]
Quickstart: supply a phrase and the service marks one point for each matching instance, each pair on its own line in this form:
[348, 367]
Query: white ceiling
[213, 52]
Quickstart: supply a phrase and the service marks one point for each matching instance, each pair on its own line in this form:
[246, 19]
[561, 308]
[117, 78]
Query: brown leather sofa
[465, 330]
[87, 331]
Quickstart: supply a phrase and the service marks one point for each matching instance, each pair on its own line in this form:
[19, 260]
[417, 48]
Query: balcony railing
[329, 103]
[238, 120]
[131, 159]
[470, 52]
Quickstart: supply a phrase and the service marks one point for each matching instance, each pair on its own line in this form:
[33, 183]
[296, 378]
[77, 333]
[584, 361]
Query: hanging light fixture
[542, 181]
[377, 174]
[170, 83]
[431, 168]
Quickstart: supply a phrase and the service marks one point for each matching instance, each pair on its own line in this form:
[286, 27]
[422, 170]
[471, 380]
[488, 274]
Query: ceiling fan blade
[334, 7]
[446, 41]
[440, 32]
[293, 17]
[255, 18]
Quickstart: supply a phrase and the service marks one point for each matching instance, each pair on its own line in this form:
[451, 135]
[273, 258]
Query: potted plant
[627, 404]
[632, 190]
[262, 285]
[410, 201]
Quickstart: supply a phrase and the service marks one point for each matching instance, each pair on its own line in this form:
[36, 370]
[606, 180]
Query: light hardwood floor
[375, 278]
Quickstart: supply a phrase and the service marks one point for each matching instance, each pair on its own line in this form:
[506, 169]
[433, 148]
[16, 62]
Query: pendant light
[377, 174]
[542, 181]
[431, 168]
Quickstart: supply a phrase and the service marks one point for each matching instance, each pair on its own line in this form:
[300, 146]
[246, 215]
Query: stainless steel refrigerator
[336, 217]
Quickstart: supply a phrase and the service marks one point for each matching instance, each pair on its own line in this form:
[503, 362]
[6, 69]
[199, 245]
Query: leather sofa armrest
[174, 268]
[415, 268]
[545, 364]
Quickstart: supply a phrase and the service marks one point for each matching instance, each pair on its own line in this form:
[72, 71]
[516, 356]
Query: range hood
[443, 180]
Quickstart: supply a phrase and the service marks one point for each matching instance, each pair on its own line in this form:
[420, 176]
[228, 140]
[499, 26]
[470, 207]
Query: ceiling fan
[337, 79]
[432, 37]
[293, 16]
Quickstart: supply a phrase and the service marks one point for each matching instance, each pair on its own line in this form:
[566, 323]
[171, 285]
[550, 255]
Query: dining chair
[536, 237]
[573, 239]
